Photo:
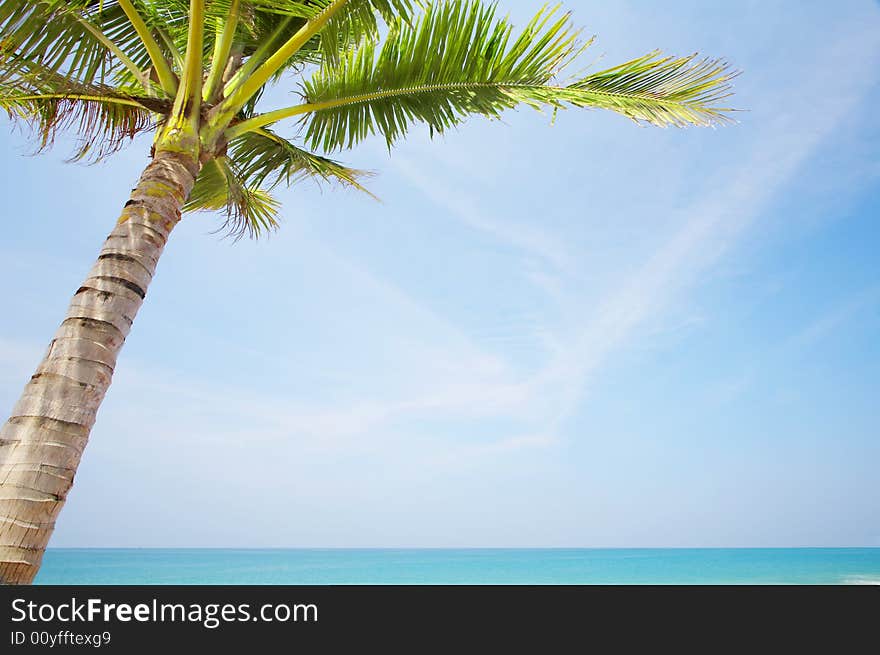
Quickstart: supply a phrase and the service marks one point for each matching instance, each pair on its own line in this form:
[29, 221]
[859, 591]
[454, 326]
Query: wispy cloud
[794, 346]
[528, 238]
[708, 228]
[831, 320]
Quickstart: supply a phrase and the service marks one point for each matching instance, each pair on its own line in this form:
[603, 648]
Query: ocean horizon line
[259, 548]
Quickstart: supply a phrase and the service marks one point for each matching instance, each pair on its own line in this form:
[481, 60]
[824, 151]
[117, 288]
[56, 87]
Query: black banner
[415, 618]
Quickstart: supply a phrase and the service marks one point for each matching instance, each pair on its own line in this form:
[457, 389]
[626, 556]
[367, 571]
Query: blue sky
[591, 334]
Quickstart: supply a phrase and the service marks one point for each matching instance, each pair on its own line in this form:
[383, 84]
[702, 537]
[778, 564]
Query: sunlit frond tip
[661, 90]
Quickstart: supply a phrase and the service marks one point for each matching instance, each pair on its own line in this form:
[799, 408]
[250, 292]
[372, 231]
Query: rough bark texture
[41, 443]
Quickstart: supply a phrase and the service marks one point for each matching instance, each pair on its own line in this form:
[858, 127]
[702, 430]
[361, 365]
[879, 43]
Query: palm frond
[351, 25]
[260, 40]
[264, 158]
[660, 90]
[329, 21]
[166, 21]
[358, 23]
[239, 184]
[71, 38]
[103, 119]
[46, 33]
[219, 187]
[459, 59]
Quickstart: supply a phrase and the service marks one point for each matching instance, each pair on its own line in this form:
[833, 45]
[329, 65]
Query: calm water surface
[462, 566]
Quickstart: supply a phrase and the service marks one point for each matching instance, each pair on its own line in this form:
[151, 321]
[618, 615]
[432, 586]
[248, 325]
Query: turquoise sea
[463, 566]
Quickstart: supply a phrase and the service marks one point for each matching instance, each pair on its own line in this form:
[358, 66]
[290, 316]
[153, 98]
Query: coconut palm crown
[192, 72]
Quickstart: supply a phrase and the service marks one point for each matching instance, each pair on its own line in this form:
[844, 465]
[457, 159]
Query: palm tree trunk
[42, 442]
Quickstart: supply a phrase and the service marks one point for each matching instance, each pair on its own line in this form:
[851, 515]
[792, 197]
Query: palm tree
[192, 72]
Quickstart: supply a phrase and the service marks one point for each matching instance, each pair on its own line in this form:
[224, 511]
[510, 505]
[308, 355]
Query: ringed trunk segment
[43, 440]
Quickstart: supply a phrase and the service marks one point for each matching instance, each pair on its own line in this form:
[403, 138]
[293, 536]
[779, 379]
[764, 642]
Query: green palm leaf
[459, 59]
[104, 119]
[84, 41]
[219, 187]
[239, 183]
[351, 25]
[265, 158]
[660, 90]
